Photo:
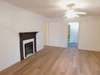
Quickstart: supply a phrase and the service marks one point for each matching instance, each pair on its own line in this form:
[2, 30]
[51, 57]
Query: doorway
[73, 30]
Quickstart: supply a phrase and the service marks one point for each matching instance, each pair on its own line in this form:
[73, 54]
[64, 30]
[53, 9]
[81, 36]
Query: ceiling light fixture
[71, 14]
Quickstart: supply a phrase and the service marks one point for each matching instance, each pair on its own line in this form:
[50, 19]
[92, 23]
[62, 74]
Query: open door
[73, 30]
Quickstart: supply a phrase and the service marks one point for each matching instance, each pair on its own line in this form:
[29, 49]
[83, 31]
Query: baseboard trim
[55, 46]
[96, 50]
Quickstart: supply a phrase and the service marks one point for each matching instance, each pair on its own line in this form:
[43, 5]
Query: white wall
[12, 21]
[89, 35]
[57, 32]
[89, 32]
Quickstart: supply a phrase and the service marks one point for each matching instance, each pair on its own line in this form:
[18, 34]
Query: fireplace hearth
[27, 44]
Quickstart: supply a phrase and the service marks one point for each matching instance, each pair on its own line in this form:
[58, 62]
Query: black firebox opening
[28, 48]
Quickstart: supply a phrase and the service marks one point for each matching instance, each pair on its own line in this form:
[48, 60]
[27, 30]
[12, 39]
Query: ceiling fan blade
[80, 13]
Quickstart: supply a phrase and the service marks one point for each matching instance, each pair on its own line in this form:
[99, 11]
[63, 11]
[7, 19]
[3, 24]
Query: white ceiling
[55, 8]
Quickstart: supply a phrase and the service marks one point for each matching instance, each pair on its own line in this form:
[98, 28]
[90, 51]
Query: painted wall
[89, 32]
[57, 32]
[89, 35]
[12, 21]
[46, 32]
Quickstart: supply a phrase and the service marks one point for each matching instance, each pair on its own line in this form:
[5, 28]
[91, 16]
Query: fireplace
[27, 44]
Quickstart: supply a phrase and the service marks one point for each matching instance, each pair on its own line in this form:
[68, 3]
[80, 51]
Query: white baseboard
[97, 50]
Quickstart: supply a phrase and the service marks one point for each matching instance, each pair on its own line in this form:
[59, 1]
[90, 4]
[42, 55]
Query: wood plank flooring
[90, 63]
[58, 61]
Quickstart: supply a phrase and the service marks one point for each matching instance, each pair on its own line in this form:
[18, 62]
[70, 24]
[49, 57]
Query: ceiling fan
[72, 12]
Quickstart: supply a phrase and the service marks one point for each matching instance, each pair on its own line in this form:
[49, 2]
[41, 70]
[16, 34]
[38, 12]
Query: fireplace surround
[27, 44]
[28, 48]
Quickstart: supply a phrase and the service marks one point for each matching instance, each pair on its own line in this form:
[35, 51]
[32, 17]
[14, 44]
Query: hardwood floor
[90, 63]
[58, 61]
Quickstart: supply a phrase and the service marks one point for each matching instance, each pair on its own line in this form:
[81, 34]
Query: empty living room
[49, 37]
